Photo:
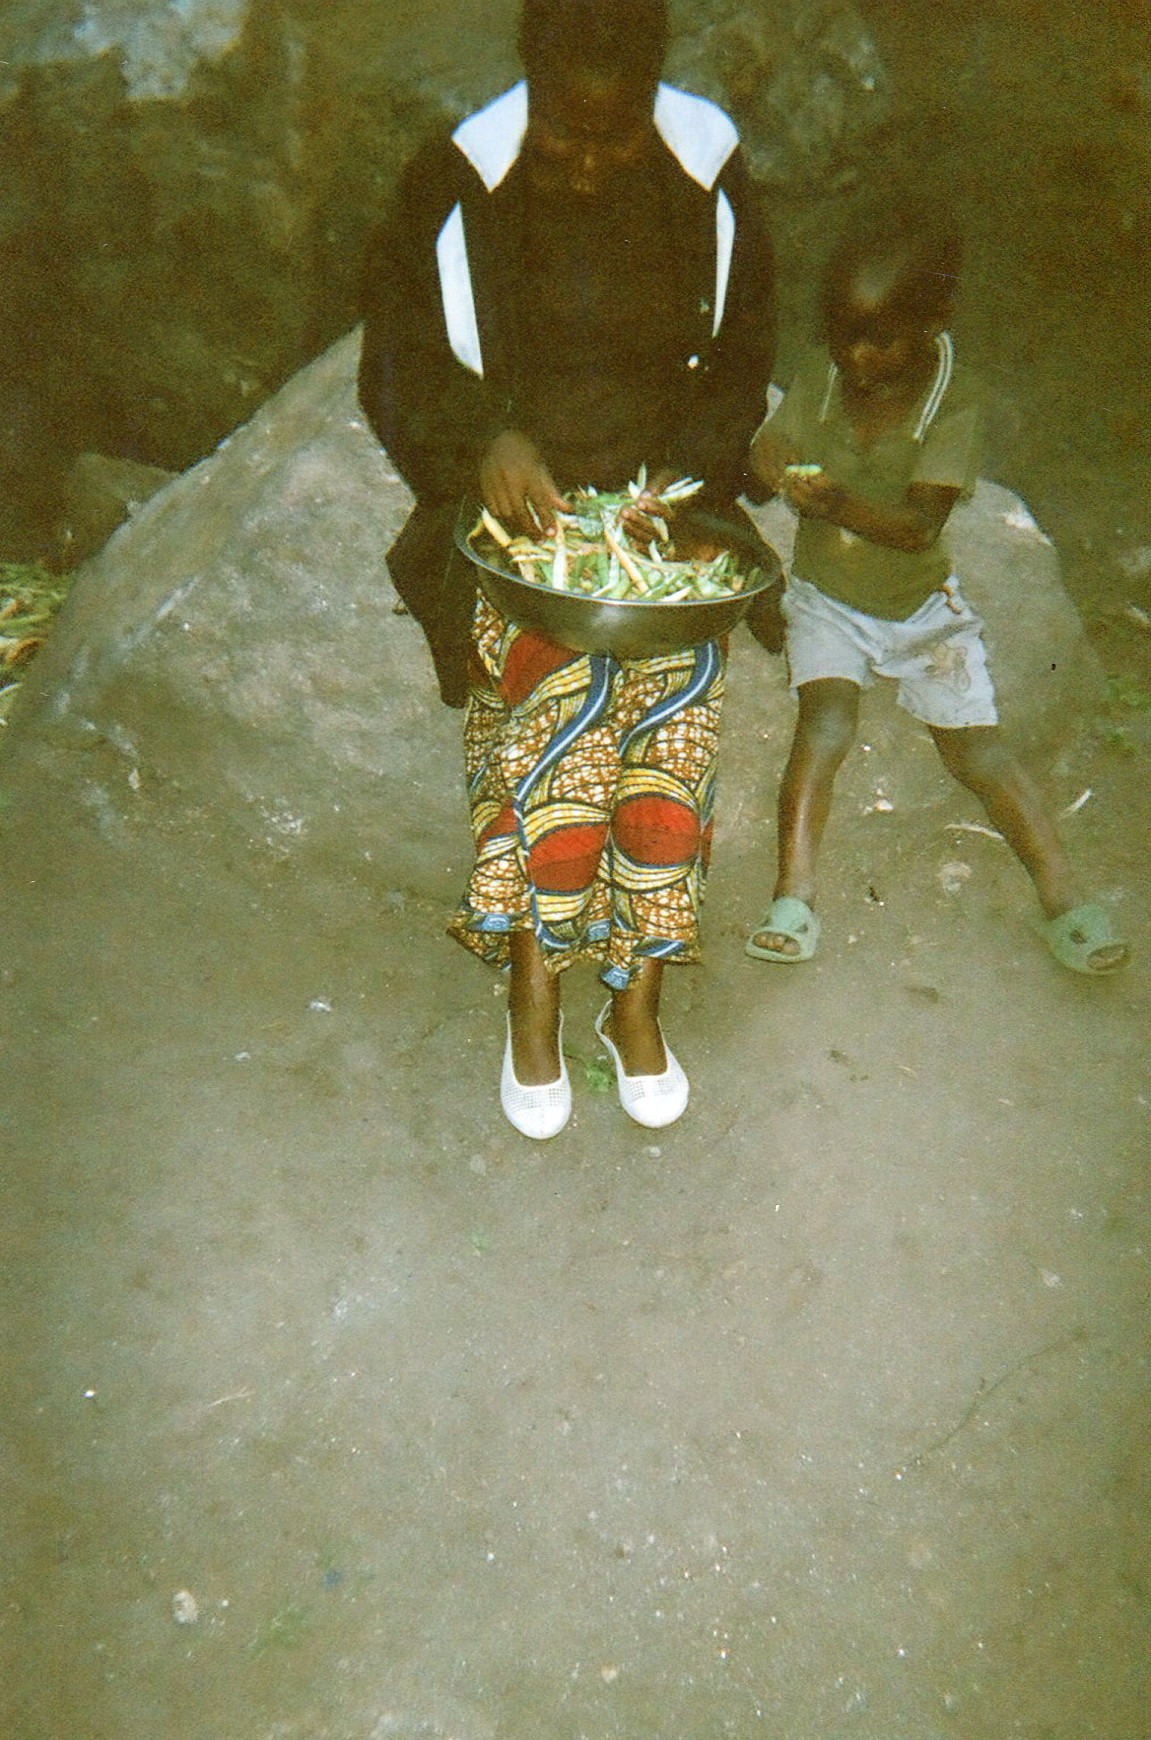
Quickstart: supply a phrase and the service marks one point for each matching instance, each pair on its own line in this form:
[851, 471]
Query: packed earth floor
[338, 1410]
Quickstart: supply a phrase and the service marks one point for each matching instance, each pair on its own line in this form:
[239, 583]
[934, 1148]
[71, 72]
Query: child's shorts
[937, 656]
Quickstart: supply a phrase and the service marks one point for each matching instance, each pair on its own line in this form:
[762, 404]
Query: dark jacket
[439, 363]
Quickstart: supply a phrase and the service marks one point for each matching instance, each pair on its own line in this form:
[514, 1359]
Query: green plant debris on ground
[1127, 691]
[30, 598]
[286, 1629]
[599, 1073]
[1116, 738]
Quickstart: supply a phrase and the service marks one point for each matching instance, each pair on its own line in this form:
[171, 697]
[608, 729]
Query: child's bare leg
[633, 1024]
[979, 759]
[824, 732]
[534, 1007]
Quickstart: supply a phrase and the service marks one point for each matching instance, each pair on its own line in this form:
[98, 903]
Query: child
[873, 444]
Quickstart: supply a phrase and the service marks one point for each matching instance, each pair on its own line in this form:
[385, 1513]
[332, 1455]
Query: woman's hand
[766, 621]
[769, 458]
[517, 486]
[648, 498]
[640, 517]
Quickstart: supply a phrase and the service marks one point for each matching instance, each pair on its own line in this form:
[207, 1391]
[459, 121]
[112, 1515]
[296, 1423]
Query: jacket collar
[696, 132]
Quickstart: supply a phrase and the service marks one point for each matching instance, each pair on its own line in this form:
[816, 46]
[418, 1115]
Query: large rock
[233, 652]
[231, 665]
[805, 82]
[99, 494]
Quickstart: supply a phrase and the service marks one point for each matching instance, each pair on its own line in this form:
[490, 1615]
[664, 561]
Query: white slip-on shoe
[652, 1100]
[539, 1111]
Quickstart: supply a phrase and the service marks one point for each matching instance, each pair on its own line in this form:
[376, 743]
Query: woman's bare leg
[534, 1007]
[633, 1024]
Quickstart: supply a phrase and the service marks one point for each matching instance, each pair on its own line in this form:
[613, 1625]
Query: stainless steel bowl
[626, 628]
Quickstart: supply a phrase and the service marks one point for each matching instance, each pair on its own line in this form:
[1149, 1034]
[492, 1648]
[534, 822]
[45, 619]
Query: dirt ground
[337, 1411]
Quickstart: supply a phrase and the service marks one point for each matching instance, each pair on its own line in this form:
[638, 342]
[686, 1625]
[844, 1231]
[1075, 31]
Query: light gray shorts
[937, 656]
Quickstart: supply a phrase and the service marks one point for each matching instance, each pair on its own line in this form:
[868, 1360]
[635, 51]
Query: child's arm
[913, 526]
[945, 472]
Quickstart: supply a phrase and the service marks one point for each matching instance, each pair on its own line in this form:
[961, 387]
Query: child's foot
[787, 932]
[1085, 940]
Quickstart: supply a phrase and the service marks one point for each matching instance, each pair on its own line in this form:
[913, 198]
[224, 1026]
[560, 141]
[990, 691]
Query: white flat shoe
[540, 1111]
[652, 1100]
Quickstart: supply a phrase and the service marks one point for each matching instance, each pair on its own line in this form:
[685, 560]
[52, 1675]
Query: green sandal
[786, 916]
[1085, 940]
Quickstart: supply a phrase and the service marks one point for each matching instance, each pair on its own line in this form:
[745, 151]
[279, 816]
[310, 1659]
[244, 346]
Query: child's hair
[600, 36]
[910, 250]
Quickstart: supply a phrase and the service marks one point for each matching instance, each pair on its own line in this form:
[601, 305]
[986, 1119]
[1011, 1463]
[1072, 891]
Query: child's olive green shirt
[939, 442]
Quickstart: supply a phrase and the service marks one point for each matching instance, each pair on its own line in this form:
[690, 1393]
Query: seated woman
[575, 285]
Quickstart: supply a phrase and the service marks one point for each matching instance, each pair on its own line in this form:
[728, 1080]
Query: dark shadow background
[171, 262]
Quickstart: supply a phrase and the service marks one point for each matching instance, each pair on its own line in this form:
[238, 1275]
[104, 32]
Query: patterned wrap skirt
[591, 784]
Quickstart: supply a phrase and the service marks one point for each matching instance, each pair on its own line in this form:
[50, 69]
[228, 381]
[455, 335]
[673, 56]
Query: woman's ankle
[633, 1025]
[535, 1035]
[533, 1013]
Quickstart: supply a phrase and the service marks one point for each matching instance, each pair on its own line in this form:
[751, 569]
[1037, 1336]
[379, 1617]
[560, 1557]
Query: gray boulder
[233, 654]
[100, 492]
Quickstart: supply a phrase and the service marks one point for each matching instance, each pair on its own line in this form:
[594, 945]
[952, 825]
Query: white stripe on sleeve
[456, 293]
[724, 243]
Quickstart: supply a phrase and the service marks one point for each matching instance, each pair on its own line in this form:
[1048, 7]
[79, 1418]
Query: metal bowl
[625, 628]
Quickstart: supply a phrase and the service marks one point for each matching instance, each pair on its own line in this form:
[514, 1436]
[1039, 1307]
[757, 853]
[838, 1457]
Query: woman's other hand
[765, 619]
[517, 486]
[769, 458]
[640, 518]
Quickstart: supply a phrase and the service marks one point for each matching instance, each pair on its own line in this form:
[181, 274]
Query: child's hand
[812, 493]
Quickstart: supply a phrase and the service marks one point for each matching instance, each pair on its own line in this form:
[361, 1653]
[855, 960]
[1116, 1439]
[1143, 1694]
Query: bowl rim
[469, 513]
